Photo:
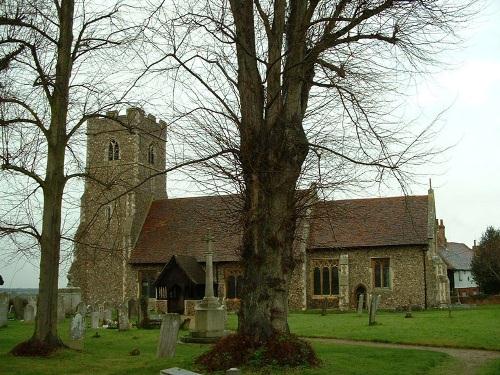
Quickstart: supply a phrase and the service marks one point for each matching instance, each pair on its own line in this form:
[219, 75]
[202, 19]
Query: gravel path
[471, 359]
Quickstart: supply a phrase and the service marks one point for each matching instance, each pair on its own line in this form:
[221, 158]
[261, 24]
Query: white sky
[467, 184]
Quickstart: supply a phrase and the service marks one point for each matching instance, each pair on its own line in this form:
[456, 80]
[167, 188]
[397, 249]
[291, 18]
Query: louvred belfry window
[113, 150]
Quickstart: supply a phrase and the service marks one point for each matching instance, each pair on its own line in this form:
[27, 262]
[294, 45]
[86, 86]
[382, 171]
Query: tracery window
[325, 277]
[113, 150]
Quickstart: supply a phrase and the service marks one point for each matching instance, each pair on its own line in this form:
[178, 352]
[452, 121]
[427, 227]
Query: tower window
[151, 155]
[113, 150]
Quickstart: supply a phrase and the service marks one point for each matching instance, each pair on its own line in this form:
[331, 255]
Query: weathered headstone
[143, 313]
[361, 299]
[19, 303]
[4, 308]
[61, 312]
[177, 371]
[77, 330]
[81, 309]
[94, 319]
[29, 313]
[168, 335]
[123, 322]
[373, 309]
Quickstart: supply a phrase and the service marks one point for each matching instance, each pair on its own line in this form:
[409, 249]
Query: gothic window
[151, 155]
[113, 150]
[325, 277]
[381, 272]
[233, 287]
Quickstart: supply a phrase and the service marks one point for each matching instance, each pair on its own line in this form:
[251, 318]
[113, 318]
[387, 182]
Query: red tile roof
[179, 226]
[369, 222]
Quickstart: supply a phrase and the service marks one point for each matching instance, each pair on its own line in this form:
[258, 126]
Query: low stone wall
[481, 299]
[189, 305]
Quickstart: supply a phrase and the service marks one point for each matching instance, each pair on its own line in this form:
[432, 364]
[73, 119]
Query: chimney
[441, 235]
[474, 247]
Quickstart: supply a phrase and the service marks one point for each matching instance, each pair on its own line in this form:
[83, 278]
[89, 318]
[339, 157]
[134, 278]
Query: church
[133, 241]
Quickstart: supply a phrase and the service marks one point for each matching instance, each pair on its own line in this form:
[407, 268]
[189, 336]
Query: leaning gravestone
[168, 335]
[77, 330]
[123, 322]
[29, 313]
[373, 309]
[94, 319]
[4, 308]
[360, 303]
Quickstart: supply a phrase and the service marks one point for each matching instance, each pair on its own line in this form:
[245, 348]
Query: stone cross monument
[209, 313]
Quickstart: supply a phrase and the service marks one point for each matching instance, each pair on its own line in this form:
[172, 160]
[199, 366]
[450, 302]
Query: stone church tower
[125, 161]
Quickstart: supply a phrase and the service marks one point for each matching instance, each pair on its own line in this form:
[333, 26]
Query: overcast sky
[467, 183]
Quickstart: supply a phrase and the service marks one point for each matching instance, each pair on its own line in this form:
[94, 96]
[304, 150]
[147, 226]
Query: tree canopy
[486, 261]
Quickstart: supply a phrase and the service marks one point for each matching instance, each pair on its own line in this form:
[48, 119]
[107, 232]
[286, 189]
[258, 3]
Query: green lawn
[468, 328]
[109, 355]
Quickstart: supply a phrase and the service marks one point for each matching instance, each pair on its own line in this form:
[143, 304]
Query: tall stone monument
[209, 313]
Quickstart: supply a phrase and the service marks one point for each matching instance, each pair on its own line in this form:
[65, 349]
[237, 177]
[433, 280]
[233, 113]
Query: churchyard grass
[491, 368]
[109, 354]
[467, 328]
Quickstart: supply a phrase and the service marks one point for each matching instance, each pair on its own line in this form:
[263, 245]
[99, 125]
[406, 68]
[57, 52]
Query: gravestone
[143, 313]
[360, 303]
[123, 322]
[32, 300]
[94, 319]
[19, 303]
[81, 309]
[107, 314]
[29, 313]
[133, 309]
[168, 335]
[177, 371]
[61, 312]
[4, 308]
[77, 330]
[373, 309]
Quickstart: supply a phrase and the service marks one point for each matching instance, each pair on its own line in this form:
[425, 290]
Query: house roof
[457, 256]
[189, 265]
[370, 222]
[178, 226]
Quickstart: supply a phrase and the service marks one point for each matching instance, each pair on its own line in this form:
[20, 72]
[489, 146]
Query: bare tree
[57, 72]
[308, 90]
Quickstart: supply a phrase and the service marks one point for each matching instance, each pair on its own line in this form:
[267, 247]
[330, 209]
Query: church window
[148, 289]
[381, 272]
[325, 277]
[113, 150]
[151, 155]
[233, 287]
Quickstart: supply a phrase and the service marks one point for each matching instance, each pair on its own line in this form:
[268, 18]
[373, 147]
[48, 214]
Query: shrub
[239, 350]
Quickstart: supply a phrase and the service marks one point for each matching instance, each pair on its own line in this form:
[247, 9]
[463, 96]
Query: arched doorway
[360, 289]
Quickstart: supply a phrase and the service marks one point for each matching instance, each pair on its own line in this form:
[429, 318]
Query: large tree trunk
[50, 243]
[273, 148]
[269, 228]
